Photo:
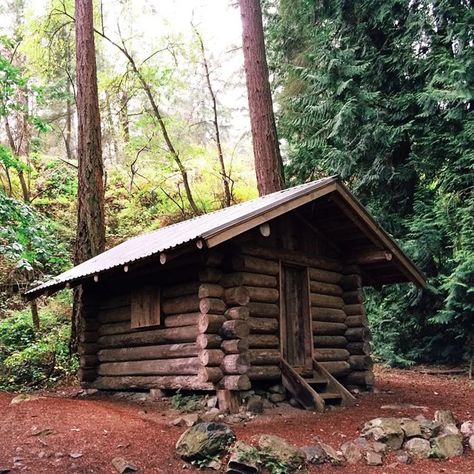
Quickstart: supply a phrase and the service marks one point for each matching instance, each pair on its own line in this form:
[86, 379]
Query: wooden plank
[347, 399]
[145, 307]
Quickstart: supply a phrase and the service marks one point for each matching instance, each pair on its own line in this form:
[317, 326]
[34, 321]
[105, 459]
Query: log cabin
[267, 291]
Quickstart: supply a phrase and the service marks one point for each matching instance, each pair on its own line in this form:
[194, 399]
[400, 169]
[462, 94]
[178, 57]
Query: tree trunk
[268, 162]
[34, 315]
[90, 233]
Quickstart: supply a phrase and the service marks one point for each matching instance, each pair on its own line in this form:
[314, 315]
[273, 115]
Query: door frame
[307, 319]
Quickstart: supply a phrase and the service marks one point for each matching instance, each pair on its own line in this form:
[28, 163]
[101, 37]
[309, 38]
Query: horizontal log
[234, 329]
[263, 295]
[237, 295]
[357, 334]
[182, 366]
[237, 312]
[351, 282]
[248, 279]
[181, 304]
[235, 382]
[179, 320]
[183, 382]
[211, 357]
[330, 341]
[86, 375]
[166, 351]
[115, 328]
[235, 364]
[329, 329]
[210, 275]
[264, 310]
[180, 289]
[292, 256]
[264, 372]
[263, 341]
[263, 325]
[210, 290]
[361, 362]
[212, 305]
[331, 315]
[88, 361]
[246, 263]
[359, 348]
[324, 276]
[361, 378]
[115, 315]
[87, 348]
[264, 356]
[328, 355]
[337, 368]
[356, 321]
[370, 257]
[353, 297]
[208, 341]
[156, 336]
[325, 288]
[88, 324]
[326, 301]
[210, 323]
[210, 374]
[116, 301]
[235, 346]
[354, 309]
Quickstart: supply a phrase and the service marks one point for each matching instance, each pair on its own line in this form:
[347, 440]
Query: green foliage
[33, 360]
[186, 403]
[381, 93]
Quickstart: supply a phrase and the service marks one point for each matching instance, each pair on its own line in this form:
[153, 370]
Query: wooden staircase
[314, 388]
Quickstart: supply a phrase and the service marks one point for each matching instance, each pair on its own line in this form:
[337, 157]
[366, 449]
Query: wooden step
[330, 395]
[316, 380]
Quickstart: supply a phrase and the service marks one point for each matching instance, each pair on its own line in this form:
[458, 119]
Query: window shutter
[146, 307]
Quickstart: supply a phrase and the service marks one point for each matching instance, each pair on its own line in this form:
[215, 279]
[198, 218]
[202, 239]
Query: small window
[146, 307]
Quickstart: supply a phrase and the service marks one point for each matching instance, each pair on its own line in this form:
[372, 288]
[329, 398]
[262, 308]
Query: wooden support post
[228, 401]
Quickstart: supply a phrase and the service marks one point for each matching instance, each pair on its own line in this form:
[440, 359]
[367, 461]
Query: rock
[278, 388]
[4, 470]
[331, 455]
[210, 415]
[75, 455]
[410, 427]
[351, 452]
[233, 419]
[277, 397]
[446, 446]
[403, 457]
[281, 449]
[294, 403]
[255, 404]
[445, 417]
[186, 420]
[362, 443]
[450, 429]
[242, 460]
[385, 430]
[467, 429]
[314, 454]
[213, 464]
[155, 394]
[23, 397]
[378, 447]
[204, 440]
[123, 466]
[267, 403]
[429, 428]
[212, 402]
[471, 442]
[418, 447]
[373, 459]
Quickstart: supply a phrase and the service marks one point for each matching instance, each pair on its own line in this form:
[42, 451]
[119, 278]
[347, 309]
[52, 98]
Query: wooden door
[296, 331]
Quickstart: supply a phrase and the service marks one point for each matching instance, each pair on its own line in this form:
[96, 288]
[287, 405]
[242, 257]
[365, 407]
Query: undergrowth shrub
[33, 360]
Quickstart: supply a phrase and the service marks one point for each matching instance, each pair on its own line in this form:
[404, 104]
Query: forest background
[381, 93]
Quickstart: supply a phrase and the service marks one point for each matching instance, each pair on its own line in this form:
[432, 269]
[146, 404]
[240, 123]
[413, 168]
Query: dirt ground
[61, 433]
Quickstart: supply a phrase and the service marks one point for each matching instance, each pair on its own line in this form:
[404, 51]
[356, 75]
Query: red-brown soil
[102, 428]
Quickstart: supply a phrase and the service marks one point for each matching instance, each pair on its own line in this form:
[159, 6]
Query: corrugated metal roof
[166, 238]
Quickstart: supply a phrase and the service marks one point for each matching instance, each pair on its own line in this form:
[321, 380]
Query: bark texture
[268, 162]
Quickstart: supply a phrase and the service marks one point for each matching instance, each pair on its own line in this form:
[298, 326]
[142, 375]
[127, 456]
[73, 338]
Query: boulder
[429, 428]
[351, 452]
[403, 457]
[373, 459]
[410, 427]
[186, 420]
[242, 460]
[204, 440]
[385, 430]
[331, 454]
[277, 397]
[280, 449]
[445, 417]
[278, 388]
[450, 429]
[362, 443]
[23, 397]
[255, 404]
[314, 454]
[467, 429]
[378, 447]
[123, 466]
[471, 442]
[446, 446]
[418, 447]
[210, 415]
